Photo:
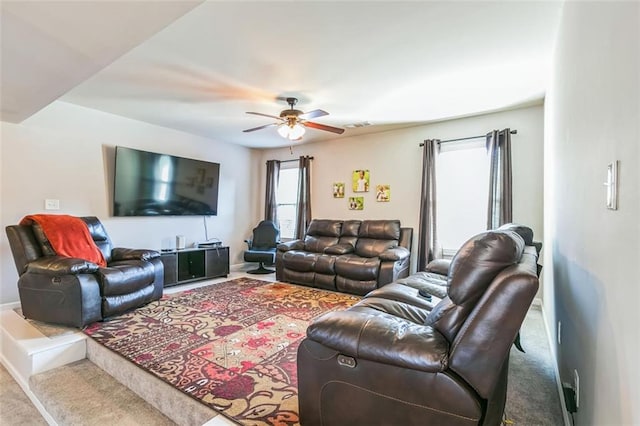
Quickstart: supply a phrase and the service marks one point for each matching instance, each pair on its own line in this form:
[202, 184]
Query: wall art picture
[360, 180]
[356, 203]
[383, 193]
[338, 190]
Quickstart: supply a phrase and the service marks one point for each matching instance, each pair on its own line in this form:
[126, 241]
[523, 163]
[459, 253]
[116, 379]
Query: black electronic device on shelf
[210, 243]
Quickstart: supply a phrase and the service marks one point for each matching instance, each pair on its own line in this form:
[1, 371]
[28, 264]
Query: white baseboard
[554, 361]
[10, 305]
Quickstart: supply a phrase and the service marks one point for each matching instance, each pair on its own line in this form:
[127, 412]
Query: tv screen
[151, 184]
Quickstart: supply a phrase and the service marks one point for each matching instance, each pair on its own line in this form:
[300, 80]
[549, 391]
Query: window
[462, 191]
[287, 197]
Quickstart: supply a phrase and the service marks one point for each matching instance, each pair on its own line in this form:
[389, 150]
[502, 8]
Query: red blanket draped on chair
[68, 235]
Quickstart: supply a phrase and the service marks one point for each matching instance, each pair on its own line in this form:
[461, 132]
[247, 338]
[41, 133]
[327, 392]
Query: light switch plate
[50, 204]
[612, 185]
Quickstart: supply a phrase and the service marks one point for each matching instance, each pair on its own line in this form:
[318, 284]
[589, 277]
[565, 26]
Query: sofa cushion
[325, 228]
[358, 268]
[338, 249]
[325, 264]
[124, 277]
[369, 247]
[434, 284]
[318, 244]
[380, 229]
[300, 261]
[350, 229]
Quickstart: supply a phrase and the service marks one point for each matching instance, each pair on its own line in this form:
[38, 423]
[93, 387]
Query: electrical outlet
[559, 332]
[576, 387]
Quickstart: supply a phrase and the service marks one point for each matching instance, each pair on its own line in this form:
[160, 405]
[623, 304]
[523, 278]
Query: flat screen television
[152, 184]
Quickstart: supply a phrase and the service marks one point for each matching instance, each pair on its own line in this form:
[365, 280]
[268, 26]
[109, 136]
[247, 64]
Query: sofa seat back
[322, 234]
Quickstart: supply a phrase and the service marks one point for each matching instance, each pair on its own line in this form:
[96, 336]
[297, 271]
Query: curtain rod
[291, 161]
[513, 132]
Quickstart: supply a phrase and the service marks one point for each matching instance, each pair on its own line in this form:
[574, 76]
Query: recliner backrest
[349, 234]
[472, 269]
[481, 347]
[99, 236]
[376, 236]
[29, 243]
[322, 233]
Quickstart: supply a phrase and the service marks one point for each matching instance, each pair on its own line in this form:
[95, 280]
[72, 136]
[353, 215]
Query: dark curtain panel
[303, 216]
[270, 201]
[427, 236]
[500, 209]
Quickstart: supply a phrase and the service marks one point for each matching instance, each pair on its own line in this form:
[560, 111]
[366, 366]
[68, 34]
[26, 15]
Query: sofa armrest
[394, 254]
[439, 266]
[382, 338]
[291, 245]
[339, 249]
[120, 253]
[58, 265]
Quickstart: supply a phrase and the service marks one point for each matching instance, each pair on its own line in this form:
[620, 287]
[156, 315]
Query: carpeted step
[82, 394]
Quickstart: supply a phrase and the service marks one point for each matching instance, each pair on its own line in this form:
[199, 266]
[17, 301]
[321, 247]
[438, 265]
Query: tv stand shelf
[194, 264]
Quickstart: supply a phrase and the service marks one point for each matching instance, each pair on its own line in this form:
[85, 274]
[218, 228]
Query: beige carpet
[81, 394]
[15, 407]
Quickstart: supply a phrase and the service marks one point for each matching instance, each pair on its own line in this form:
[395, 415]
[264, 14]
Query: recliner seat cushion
[300, 261]
[358, 268]
[434, 284]
[129, 276]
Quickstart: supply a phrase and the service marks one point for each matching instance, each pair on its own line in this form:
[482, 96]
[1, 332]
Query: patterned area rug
[232, 345]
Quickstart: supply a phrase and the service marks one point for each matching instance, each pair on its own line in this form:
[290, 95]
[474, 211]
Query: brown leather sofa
[350, 256]
[75, 292]
[398, 358]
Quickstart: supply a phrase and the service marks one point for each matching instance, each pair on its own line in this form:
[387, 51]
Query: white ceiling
[198, 67]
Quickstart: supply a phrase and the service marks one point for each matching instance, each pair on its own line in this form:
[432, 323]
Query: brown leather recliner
[395, 358]
[75, 292]
[351, 256]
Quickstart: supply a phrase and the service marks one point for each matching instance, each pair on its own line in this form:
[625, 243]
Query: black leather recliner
[396, 357]
[76, 292]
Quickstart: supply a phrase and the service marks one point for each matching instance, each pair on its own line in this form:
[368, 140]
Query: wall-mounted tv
[151, 184]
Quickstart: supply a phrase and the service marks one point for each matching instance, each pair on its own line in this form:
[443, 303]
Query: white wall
[592, 271]
[66, 152]
[395, 158]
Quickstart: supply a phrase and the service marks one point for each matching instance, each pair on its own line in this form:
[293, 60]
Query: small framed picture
[338, 190]
[360, 180]
[356, 203]
[383, 193]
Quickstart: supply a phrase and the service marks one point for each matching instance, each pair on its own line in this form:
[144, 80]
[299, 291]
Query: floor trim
[556, 370]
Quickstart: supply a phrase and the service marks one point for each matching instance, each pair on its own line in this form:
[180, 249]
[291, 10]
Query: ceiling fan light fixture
[291, 131]
[296, 132]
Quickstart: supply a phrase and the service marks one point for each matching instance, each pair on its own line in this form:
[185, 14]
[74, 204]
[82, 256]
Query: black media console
[194, 264]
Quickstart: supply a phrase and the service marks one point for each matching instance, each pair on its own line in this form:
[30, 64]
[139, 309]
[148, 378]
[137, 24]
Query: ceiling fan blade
[260, 127]
[323, 127]
[313, 114]
[265, 115]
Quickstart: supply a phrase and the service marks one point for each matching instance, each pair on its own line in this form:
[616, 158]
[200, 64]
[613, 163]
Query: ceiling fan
[292, 122]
